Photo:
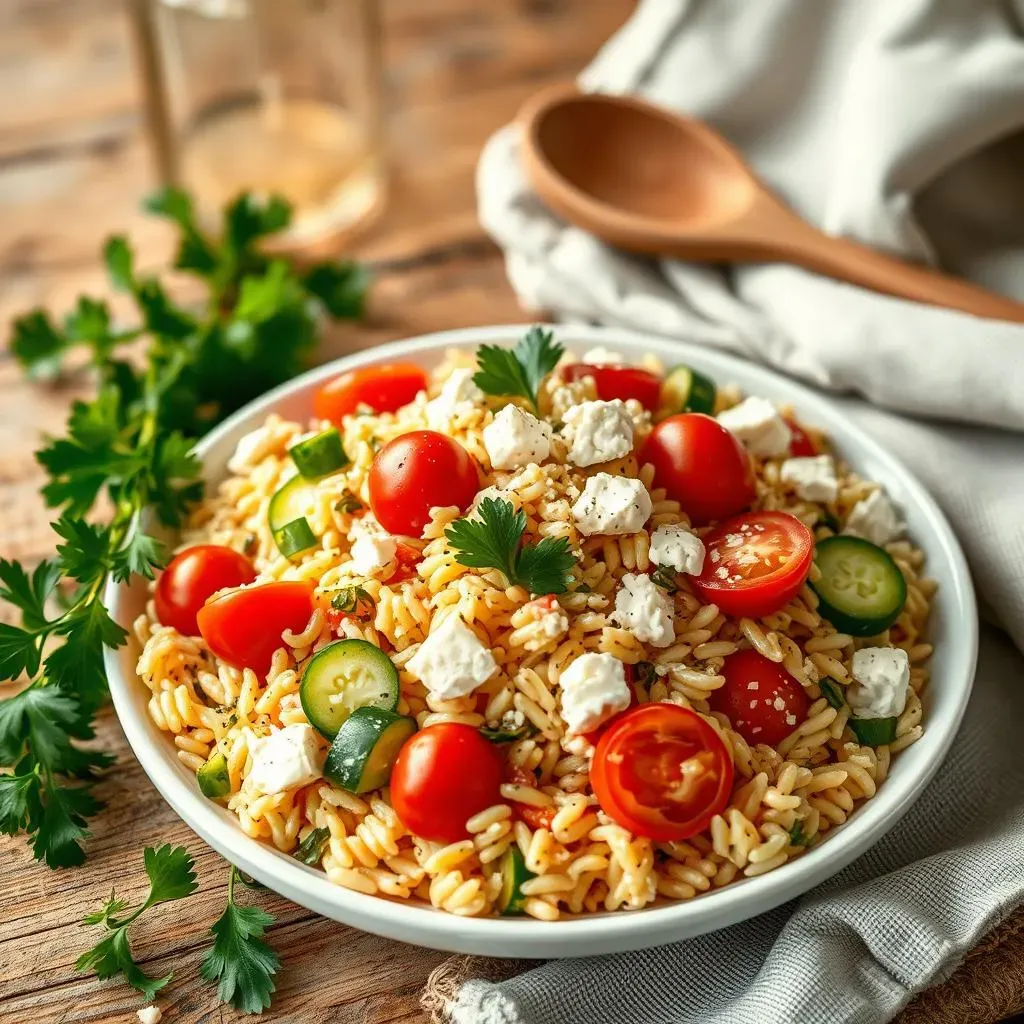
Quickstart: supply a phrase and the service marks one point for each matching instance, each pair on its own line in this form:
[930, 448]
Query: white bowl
[954, 628]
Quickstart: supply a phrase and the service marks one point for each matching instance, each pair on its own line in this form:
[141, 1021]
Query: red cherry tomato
[761, 699]
[417, 472]
[661, 771]
[619, 382]
[443, 775]
[243, 627]
[383, 388]
[701, 465]
[800, 444]
[755, 563]
[535, 817]
[191, 577]
[408, 559]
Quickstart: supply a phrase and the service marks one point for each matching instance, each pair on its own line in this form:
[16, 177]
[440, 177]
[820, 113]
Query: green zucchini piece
[319, 455]
[295, 537]
[343, 676]
[514, 873]
[364, 751]
[873, 732]
[686, 390]
[861, 588]
[213, 778]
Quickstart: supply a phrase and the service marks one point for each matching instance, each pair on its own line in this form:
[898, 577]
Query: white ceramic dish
[954, 630]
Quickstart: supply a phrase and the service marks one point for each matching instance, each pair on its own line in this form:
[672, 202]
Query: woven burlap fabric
[899, 123]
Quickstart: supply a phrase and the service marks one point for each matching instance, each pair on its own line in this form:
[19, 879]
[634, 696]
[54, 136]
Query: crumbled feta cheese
[757, 423]
[458, 394]
[642, 607]
[598, 432]
[881, 678]
[512, 720]
[813, 477]
[553, 624]
[677, 547]
[601, 356]
[452, 662]
[612, 504]
[515, 438]
[287, 758]
[373, 553]
[875, 519]
[249, 450]
[593, 689]
[150, 1015]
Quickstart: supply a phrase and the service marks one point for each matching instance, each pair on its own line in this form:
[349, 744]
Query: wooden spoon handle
[848, 261]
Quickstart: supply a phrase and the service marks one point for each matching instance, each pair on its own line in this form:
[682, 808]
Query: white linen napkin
[899, 123]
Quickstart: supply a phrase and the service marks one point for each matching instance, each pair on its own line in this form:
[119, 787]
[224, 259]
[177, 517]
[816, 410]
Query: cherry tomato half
[761, 699]
[443, 775]
[662, 772]
[800, 443]
[755, 563]
[701, 465]
[191, 577]
[243, 627]
[619, 382]
[535, 817]
[417, 472]
[383, 388]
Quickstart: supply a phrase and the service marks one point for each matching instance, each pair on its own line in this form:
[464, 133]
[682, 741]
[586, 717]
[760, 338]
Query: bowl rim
[606, 931]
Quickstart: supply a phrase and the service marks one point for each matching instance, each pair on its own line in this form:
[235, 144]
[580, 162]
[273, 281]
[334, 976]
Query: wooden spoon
[646, 180]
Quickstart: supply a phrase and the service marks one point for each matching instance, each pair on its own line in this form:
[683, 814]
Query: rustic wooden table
[73, 166]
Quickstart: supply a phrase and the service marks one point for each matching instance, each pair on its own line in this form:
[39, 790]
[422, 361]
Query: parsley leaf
[311, 849]
[37, 344]
[491, 540]
[518, 371]
[171, 877]
[797, 837]
[240, 961]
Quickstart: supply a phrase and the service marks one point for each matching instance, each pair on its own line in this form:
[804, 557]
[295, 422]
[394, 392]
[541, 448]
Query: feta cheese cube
[515, 438]
[813, 477]
[757, 423]
[452, 662]
[373, 554]
[287, 758]
[593, 689]
[677, 547]
[612, 504]
[642, 607]
[875, 519]
[881, 679]
[598, 432]
[150, 1015]
[601, 356]
[458, 394]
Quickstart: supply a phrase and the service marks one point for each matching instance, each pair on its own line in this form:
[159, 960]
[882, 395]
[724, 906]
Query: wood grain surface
[73, 166]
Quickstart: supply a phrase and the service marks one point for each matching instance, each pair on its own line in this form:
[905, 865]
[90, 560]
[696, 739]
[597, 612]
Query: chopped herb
[665, 577]
[352, 600]
[832, 692]
[508, 735]
[645, 673]
[492, 540]
[518, 371]
[348, 504]
[796, 834]
[311, 849]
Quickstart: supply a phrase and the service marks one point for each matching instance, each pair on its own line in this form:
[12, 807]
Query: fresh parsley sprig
[520, 370]
[491, 540]
[127, 450]
[240, 961]
[171, 877]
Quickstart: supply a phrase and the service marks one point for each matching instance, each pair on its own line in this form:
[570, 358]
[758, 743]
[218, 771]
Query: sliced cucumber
[861, 588]
[343, 676]
[295, 537]
[686, 390]
[213, 778]
[319, 455]
[513, 874]
[365, 748]
[873, 732]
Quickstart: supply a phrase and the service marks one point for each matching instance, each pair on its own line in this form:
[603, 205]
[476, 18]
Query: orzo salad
[539, 633]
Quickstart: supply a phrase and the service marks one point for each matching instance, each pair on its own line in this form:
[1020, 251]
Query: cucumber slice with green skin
[365, 749]
[295, 537]
[514, 873]
[319, 455]
[873, 732]
[861, 589]
[293, 500]
[343, 676]
[686, 390]
[213, 778]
